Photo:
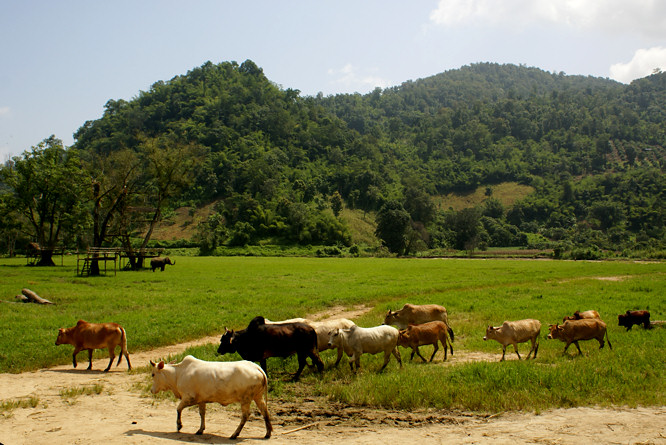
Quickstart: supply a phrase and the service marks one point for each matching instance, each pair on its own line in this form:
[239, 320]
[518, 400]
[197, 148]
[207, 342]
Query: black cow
[161, 263]
[260, 340]
[630, 318]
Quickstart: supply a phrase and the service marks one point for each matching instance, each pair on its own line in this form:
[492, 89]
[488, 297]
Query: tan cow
[572, 331]
[418, 314]
[92, 336]
[430, 333]
[197, 382]
[357, 341]
[578, 315]
[514, 332]
[323, 330]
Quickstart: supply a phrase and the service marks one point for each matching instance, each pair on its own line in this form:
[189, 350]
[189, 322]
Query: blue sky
[63, 60]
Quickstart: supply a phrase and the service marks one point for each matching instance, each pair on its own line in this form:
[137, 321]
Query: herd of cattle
[197, 382]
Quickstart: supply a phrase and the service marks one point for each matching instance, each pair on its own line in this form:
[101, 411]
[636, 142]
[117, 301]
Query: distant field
[200, 296]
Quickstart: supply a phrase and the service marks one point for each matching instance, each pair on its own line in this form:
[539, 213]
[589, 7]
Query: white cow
[197, 382]
[356, 341]
[323, 330]
[514, 332]
[291, 320]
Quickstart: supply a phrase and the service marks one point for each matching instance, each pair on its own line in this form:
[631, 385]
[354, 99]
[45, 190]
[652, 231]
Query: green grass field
[201, 295]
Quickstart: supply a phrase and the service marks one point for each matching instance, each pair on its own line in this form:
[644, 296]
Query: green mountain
[592, 150]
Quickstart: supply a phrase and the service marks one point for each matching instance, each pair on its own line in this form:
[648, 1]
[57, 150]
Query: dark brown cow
[572, 331]
[578, 315]
[95, 336]
[630, 318]
[260, 341]
[430, 333]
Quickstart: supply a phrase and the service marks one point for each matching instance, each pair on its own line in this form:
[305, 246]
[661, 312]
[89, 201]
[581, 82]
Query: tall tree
[47, 190]
[169, 166]
[114, 180]
[392, 224]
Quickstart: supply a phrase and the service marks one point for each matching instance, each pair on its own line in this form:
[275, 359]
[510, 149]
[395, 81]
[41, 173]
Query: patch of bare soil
[121, 414]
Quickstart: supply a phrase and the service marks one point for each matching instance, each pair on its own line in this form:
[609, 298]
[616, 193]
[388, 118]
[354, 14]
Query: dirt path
[120, 414]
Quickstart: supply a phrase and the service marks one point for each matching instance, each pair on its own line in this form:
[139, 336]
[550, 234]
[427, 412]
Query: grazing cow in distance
[357, 341]
[260, 341]
[161, 263]
[572, 331]
[92, 336]
[578, 315]
[430, 333]
[197, 382]
[323, 330]
[514, 332]
[630, 318]
[418, 314]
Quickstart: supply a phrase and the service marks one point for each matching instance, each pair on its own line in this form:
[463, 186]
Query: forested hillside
[280, 167]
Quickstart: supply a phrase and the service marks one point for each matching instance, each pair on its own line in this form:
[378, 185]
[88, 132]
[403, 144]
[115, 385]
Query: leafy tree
[466, 228]
[392, 224]
[47, 191]
[336, 203]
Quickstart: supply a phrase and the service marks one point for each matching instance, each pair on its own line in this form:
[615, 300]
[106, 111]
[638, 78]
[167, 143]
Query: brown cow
[418, 314]
[630, 318]
[578, 315]
[573, 331]
[95, 336]
[430, 333]
[514, 332]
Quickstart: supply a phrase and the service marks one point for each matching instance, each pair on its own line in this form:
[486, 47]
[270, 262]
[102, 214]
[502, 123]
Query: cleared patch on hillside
[182, 224]
[507, 193]
[362, 226]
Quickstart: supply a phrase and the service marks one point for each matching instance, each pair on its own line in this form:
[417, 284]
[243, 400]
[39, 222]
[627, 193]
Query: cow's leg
[112, 355]
[316, 360]
[601, 341]
[503, 353]
[202, 414]
[387, 357]
[301, 364]
[416, 349]
[263, 409]
[437, 349]
[245, 414]
[90, 354]
[579, 351]
[397, 356]
[337, 362]
[515, 348]
[181, 406]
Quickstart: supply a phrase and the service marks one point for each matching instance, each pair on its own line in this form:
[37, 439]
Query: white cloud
[4, 111]
[644, 62]
[647, 17]
[351, 79]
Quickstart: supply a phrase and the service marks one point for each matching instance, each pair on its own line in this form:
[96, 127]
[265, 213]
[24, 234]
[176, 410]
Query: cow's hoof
[199, 433]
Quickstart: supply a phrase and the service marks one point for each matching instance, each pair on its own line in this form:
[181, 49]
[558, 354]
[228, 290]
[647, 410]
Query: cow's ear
[161, 365]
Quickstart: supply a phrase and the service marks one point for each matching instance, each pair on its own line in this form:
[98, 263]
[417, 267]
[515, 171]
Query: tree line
[280, 166]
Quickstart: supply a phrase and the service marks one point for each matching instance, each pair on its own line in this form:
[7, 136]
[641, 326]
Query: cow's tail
[448, 328]
[608, 340]
[123, 346]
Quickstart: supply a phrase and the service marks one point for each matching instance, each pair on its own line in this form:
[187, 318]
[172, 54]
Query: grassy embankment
[200, 296]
